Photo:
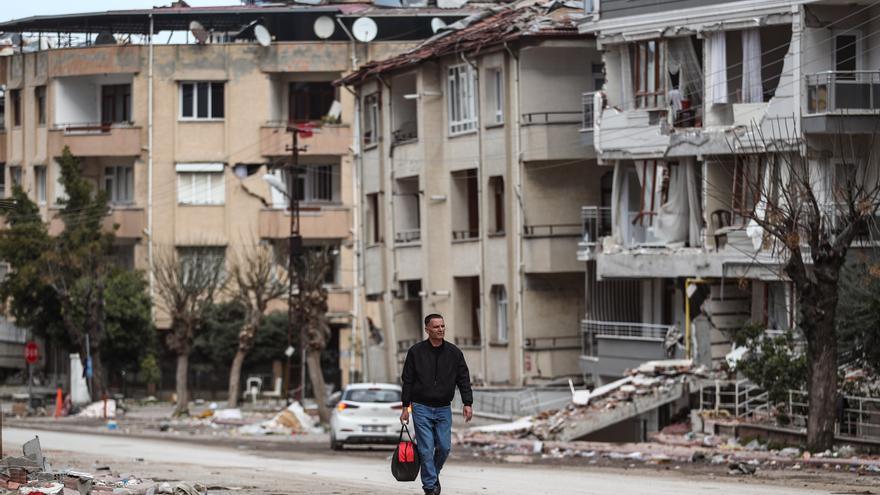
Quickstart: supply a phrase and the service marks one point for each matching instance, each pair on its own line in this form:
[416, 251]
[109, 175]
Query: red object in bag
[405, 461]
[406, 452]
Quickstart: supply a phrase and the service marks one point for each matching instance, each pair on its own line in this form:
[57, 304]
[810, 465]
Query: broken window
[748, 173]
[374, 219]
[465, 205]
[40, 101]
[116, 103]
[496, 189]
[310, 101]
[461, 99]
[741, 70]
[371, 119]
[685, 67]
[647, 60]
[202, 100]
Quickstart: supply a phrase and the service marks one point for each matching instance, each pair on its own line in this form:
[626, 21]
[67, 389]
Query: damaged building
[700, 99]
[473, 169]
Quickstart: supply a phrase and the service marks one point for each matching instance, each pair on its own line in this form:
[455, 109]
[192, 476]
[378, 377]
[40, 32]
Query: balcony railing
[587, 113]
[843, 92]
[591, 330]
[408, 236]
[465, 235]
[552, 343]
[544, 118]
[552, 230]
[596, 223]
[405, 344]
[467, 341]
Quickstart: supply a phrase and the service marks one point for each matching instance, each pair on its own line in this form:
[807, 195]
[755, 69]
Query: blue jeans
[433, 427]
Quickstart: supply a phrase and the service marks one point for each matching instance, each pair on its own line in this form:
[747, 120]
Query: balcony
[596, 221]
[555, 136]
[131, 222]
[333, 140]
[609, 348]
[316, 223]
[552, 248]
[842, 102]
[95, 139]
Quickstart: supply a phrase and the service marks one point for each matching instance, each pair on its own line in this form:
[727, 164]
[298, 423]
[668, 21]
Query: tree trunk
[182, 407]
[819, 326]
[235, 378]
[99, 377]
[316, 375]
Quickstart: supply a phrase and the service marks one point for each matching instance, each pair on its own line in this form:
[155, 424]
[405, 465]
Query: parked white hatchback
[366, 413]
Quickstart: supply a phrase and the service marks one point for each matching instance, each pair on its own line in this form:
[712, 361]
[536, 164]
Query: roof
[493, 26]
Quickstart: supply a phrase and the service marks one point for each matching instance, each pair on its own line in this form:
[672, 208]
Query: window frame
[112, 184]
[371, 116]
[305, 95]
[15, 103]
[116, 93]
[15, 176]
[40, 104]
[495, 93]
[648, 96]
[190, 172]
[308, 183]
[195, 101]
[461, 108]
[41, 190]
[501, 306]
[857, 34]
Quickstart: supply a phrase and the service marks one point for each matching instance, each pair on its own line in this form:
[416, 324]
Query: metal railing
[592, 330]
[544, 118]
[740, 398]
[467, 341]
[90, 127]
[596, 223]
[465, 235]
[588, 117]
[554, 230]
[858, 417]
[843, 92]
[407, 236]
[567, 342]
[512, 404]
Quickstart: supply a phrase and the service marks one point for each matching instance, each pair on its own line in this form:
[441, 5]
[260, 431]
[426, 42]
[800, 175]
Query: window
[15, 103]
[200, 184]
[374, 219]
[310, 100]
[499, 297]
[40, 179]
[495, 96]
[462, 111]
[40, 100]
[202, 262]
[496, 186]
[201, 100]
[2, 107]
[317, 183]
[846, 53]
[330, 278]
[116, 103]
[15, 176]
[647, 61]
[465, 205]
[371, 119]
[59, 193]
[2, 180]
[119, 184]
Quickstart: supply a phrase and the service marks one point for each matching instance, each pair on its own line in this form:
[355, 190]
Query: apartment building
[699, 98]
[473, 168]
[179, 112]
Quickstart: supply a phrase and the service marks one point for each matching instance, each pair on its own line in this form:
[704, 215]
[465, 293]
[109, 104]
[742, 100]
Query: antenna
[198, 31]
[262, 35]
[437, 24]
[324, 27]
[365, 29]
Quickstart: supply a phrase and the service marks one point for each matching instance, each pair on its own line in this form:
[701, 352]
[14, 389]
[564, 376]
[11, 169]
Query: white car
[366, 413]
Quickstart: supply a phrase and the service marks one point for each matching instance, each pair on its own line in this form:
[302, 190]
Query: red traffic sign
[31, 352]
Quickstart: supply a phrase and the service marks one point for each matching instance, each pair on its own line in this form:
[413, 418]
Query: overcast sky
[16, 9]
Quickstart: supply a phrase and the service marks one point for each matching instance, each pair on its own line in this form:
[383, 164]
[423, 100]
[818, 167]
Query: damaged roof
[493, 26]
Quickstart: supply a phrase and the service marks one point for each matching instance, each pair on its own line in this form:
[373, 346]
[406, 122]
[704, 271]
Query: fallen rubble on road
[31, 474]
[652, 384]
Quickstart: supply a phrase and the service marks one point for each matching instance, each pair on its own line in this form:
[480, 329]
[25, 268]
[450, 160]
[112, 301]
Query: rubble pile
[649, 379]
[32, 474]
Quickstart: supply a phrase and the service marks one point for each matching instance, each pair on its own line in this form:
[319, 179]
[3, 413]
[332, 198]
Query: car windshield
[372, 395]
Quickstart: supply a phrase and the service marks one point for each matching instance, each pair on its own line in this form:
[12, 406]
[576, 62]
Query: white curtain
[618, 208]
[671, 225]
[695, 206]
[683, 61]
[716, 78]
[752, 90]
[626, 80]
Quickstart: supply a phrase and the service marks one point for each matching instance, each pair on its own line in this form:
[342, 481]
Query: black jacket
[431, 374]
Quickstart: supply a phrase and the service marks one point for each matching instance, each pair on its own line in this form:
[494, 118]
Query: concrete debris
[293, 419]
[31, 474]
[735, 468]
[100, 409]
[790, 452]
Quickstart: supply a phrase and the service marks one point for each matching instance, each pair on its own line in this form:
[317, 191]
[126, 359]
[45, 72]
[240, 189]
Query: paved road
[319, 474]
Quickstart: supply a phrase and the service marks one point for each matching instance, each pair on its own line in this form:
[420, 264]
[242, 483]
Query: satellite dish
[262, 35]
[437, 24]
[198, 31]
[324, 27]
[365, 29]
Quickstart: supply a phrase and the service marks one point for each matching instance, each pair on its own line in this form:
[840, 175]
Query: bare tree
[186, 283]
[811, 211]
[256, 281]
[310, 306]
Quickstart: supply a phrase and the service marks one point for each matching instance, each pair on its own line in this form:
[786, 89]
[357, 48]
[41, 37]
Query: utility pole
[294, 248]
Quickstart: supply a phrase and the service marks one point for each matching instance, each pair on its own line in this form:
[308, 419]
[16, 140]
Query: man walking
[432, 370]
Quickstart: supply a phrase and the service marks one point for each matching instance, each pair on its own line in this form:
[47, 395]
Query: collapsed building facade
[473, 168]
[699, 101]
[178, 113]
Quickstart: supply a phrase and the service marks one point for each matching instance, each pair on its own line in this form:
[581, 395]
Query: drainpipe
[150, 164]
[358, 326]
[484, 330]
[518, 223]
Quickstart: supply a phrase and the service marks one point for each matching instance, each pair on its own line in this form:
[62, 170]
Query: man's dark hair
[431, 317]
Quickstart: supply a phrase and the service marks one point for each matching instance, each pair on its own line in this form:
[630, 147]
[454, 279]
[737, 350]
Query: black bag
[405, 461]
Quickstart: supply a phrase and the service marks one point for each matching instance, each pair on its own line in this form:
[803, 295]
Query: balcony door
[115, 104]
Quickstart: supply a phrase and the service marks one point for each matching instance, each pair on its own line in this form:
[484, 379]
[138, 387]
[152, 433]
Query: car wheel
[334, 444]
